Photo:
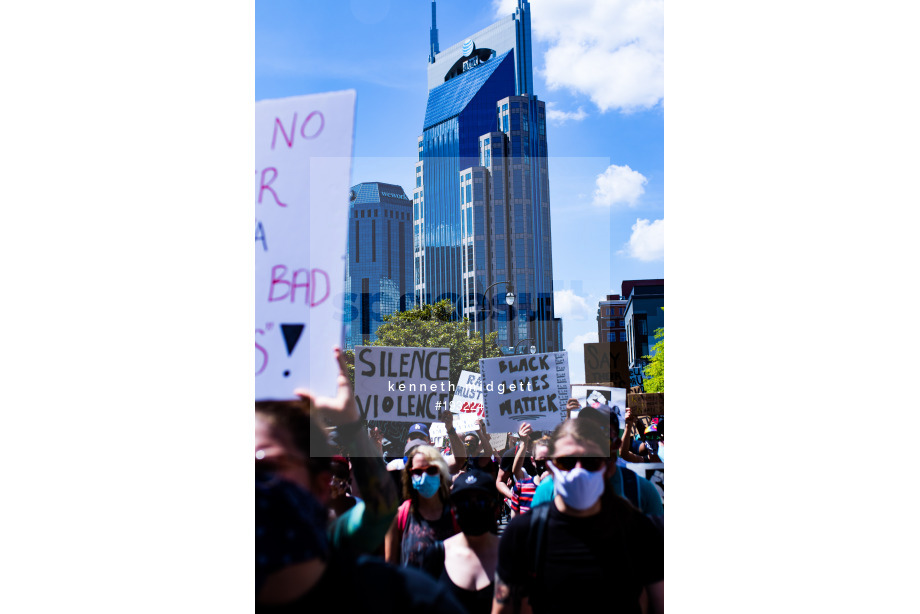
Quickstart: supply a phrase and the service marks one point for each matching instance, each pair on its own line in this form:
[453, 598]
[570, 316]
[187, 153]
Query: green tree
[654, 370]
[429, 326]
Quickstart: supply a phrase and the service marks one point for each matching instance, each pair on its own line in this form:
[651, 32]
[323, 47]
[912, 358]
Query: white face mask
[579, 488]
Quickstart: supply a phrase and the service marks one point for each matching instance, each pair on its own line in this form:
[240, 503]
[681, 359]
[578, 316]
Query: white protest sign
[614, 398]
[467, 402]
[402, 384]
[531, 389]
[303, 172]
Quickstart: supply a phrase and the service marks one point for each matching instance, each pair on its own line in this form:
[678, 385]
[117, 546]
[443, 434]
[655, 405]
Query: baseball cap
[473, 481]
[413, 443]
[418, 428]
[651, 428]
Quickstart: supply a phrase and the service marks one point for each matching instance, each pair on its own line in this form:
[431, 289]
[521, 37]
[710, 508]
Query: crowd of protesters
[553, 523]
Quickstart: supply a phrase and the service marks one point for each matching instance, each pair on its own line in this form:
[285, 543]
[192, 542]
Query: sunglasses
[588, 463]
[430, 470]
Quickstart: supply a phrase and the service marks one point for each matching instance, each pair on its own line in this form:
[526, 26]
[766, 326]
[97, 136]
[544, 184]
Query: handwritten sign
[646, 403]
[614, 398]
[531, 388]
[303, 171]
[467, 402]
[607, 363]
[402, 384]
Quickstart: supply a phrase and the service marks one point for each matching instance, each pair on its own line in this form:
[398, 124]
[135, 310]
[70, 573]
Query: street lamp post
[509, 299]
[533, 348]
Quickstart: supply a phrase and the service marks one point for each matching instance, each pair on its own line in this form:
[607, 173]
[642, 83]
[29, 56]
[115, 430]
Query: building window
[373, 240]
[611, 337]
[357, 242]
[611, 323]
[622, 335]
[418, 182]
[642, 329]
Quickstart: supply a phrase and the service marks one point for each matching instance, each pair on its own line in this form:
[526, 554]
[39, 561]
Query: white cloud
[576, 350]
[647, 240]
[570, 306]
[619, 184]
[577, 344]
[560, 117]
[610, 50]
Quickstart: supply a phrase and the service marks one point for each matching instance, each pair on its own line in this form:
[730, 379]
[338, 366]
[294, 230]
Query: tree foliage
[429, 326]
[654, 370]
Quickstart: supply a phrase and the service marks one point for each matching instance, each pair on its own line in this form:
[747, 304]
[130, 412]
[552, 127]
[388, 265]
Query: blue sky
[597, 63]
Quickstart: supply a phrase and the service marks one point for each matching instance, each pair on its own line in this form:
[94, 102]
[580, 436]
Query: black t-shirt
[584, 570]
[371, 585]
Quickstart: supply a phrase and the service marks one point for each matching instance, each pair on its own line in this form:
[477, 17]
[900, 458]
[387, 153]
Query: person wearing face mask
[298, 569]
[562, 556]
[465, 563]
[425, 516]
[622, 481]
[525, 484]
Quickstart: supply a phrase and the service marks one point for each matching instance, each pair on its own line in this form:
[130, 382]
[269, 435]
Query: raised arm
[362, 528]
[485, 439]
[456, 444]
[517, 468]
[625, 452]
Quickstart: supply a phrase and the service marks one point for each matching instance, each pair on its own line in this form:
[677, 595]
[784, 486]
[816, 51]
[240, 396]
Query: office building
[378, 270]
[644, 314]
[481, 201]
[611, 323]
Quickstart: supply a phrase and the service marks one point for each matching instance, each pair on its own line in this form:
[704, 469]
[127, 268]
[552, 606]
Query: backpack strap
[630, 486]
[536, 539]
[402, 516]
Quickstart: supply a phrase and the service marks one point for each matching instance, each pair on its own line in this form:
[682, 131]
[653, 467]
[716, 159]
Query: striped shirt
[523, 495]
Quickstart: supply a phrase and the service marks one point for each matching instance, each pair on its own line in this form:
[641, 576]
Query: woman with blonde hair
[425, 516]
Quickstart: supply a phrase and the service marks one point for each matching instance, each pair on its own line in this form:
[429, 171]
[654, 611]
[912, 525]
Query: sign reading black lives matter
[402, 384]
[531, 389]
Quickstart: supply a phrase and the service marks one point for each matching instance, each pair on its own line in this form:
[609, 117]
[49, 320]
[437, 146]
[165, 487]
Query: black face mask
[541, 466]
[476, 516]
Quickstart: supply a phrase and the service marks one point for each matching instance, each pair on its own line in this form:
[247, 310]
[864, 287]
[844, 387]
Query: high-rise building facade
[644, 314]
[378, 271]
[611, 319]
[481, 200]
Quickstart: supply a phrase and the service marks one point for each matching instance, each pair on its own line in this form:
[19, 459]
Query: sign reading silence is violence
[400, 384]
[531, 388]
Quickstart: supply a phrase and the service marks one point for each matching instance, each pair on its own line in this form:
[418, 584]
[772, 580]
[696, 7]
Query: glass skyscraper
[481, 197]
[378, 271]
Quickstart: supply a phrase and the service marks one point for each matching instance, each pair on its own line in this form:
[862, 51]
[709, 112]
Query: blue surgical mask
[426, 485]
[579, 488]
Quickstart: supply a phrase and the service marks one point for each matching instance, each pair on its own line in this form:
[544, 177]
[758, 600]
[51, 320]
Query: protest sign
[530, 389]
[646, 403]
[653, 472]
[614, 398]
[467, 402]
[303, 170]
[402, 384]
[607, 363]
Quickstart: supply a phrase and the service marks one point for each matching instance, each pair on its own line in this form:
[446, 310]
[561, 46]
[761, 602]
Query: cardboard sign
[607, 363]
[646, 403]
[636, 377]
[467, 402]
[614, 398]
[402, 384]
[531, 389]
[303, 171]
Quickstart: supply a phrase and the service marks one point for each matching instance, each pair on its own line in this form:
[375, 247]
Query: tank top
[419, 534]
